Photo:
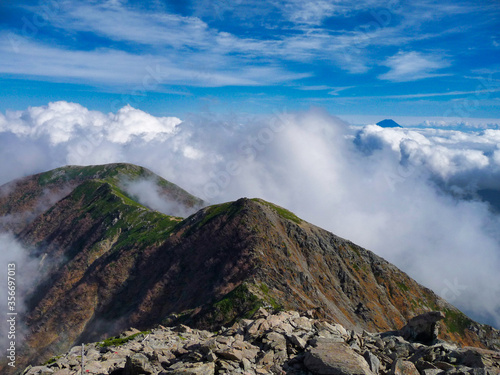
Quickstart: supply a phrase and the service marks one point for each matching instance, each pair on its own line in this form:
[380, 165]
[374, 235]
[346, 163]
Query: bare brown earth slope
[110, 263]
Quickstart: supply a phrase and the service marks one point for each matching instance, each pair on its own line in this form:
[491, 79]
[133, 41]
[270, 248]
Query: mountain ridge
[30, 196]
[110, 263]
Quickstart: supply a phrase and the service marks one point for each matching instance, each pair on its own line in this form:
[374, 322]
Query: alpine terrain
[239, 287]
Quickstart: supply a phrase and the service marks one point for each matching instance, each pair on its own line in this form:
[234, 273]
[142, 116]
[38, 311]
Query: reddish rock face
[110, 263]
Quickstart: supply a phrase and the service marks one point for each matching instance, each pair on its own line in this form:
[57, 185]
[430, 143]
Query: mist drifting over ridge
[398, 192]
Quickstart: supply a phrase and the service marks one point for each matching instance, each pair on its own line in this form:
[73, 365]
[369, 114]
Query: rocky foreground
[282, 343]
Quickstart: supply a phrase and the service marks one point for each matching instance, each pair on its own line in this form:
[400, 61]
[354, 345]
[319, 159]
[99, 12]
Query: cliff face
[110, 263]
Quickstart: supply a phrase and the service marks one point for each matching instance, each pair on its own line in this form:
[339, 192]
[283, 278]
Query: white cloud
[62, 122]
[477, 93]
[447, 154]
[496, 157]
[146, 72]
[412, 66]
[310, 12]
[148, 193]
[385, 198]
[465, 124]
[120, 22]
[130, 122]
[24, 274]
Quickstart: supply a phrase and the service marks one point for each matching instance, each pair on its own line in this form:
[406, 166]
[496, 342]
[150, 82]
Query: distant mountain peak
[388, 123]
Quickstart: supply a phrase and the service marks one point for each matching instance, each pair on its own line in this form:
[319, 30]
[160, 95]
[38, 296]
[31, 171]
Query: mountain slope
[95, 225]
[300, 266]
[22, 200]
[108, 263]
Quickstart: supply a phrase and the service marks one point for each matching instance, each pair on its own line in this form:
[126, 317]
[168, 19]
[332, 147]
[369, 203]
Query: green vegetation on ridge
[117, 341]
[133, 223]
[108, 172]
[116, 174]
[456, 321]
[283, 212]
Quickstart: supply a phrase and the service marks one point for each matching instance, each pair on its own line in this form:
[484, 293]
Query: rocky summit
[107, 262]
[282, 343]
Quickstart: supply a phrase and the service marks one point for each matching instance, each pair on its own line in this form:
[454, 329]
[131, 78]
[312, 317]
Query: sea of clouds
[408, 194]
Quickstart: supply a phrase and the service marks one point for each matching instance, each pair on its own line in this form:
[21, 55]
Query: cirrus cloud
[412, 66]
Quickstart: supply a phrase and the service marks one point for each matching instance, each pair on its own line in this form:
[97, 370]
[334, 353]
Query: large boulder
[422, 328]
[401, 367]
[199, 368]
[372, 361]
[138, 364]
[334, 358]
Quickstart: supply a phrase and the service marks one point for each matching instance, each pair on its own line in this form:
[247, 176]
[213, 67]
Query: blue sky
[365, 58]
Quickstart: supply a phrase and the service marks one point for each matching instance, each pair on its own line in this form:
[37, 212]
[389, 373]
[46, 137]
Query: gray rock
[355, 346]
[138, 364]
[297, 341]
[226, 340]
[260, 313]
[250, 353]
[227, 366]
[258, 327]
[432, 371]
[302, 323]
[335, 359]
[275, 341]
[211, 357]
[329, 335]
[443, 365]
[183, 329]
[246, 364]
[372, 361]
[94, 367]
[422, 365]
[230, 354]
[64, 371]
[379, 343]
[472, 358]
[39, 370]
[267, 359]
[198, 368]
[325, 340]
[277, 344]
[480, 371]
[280, 357]
[423, 328]
[401, 367]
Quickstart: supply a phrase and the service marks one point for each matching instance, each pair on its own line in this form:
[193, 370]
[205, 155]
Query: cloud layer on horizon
[397, 192]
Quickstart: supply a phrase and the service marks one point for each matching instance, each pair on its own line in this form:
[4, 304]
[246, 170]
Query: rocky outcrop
[423, 328]
[335, 358]
[270, 344]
